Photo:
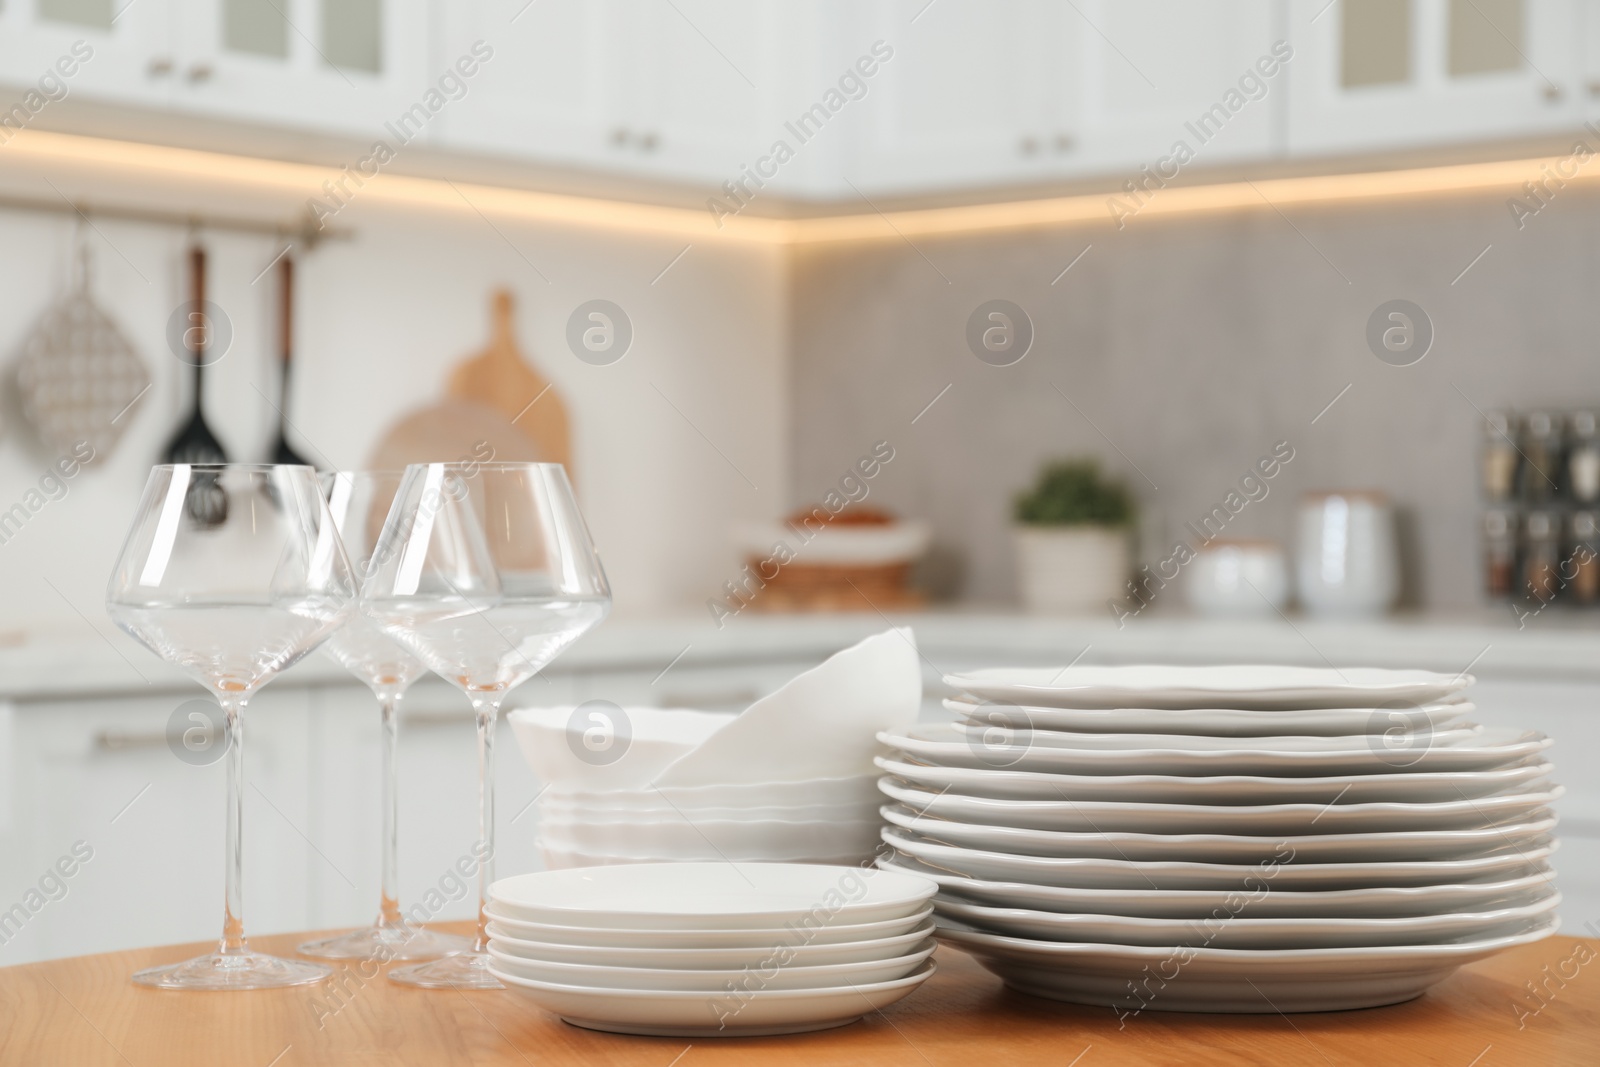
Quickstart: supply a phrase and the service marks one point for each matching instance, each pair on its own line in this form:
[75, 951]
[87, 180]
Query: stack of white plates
[712, 949]
[1236, 839]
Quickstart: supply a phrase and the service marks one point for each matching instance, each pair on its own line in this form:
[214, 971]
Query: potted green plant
[1072, 538]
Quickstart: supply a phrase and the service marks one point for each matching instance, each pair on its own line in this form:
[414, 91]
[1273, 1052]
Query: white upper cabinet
[95, 48]
[1383, 74]
[332, 66]
[1195, 83]
[965, 94]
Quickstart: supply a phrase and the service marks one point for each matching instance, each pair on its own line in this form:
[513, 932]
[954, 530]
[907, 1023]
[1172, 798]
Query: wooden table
[84, 1012]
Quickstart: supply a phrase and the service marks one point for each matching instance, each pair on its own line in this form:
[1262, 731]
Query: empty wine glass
[233, 602]
[486, 572]
[359, 501]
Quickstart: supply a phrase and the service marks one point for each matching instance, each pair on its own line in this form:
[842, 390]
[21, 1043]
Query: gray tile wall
[1180, 350]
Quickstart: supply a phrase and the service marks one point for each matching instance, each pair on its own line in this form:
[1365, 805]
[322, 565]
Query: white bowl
[844, 545]
[603, 746]
[710, 896]
[684, 1014]
[834, 933]
[771, 972]
[566, 815]
[846, 790]
[804, 953]
[733, 840]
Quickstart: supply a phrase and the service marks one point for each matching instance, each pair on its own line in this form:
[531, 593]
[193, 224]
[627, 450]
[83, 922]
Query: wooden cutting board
[500, 377]
[498, 408]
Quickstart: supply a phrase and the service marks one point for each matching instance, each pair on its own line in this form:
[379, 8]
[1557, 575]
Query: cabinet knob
[620, 136]
[1064, 143]
[200, 72]
[1028, 146]
[1594, 88]
[159, 67]
[1553, 94]
[648, 142]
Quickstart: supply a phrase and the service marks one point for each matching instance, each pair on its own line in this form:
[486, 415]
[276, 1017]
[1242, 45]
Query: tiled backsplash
[1180, 350]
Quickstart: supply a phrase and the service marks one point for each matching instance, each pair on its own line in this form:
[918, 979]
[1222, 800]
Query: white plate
[1217, 722]
[1262, 981]
[1001, 735]
[552, 816]
[1238, 928]
[1262, 686]
[758, 937]
[1222, 818]
[804, 954]
[1380, 902]
[1448, 750]
[709, 896]
[674, 1013]
[1222, 848]
[1212, 789]
[770, 972]
[1185, 874]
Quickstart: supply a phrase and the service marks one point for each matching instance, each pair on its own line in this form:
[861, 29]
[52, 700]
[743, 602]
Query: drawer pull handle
[117, 740]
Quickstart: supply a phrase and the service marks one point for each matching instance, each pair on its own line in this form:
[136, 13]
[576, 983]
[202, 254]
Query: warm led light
[303, 181]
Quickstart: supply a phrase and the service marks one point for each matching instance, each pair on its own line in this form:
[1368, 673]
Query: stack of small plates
[1233, 839]
[712, 949]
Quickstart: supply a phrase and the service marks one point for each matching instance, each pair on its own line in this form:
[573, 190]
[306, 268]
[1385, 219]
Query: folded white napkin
[821, 724]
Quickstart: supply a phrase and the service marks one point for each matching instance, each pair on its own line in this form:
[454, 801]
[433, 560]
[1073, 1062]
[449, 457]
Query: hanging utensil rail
[303, 229]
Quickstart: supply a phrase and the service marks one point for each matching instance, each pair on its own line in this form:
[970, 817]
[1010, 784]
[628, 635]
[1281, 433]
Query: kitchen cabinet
[110, 56]
[1378, 74]
[100, 772]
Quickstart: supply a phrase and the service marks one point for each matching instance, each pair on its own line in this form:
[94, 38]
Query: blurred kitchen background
[1300, 290]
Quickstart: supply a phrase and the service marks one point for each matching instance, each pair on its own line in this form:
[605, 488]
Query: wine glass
[359, 501]
[233, 598]
[486, 572]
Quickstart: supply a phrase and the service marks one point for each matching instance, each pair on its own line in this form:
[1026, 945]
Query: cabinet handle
[426, 719]
[1028, 146]
[620, 136]
[648, 142]
[200, 72]
[1064, 143]
[117, 740]
[159, 67]
[710, 698]
[1594, 88]
[1553, 94]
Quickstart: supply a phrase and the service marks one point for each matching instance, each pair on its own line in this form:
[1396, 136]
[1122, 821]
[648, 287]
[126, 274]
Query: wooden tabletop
[84, 1012]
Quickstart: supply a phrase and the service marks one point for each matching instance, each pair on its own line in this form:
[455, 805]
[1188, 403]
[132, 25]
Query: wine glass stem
[488, 710]
[389, 906]
[233, 940]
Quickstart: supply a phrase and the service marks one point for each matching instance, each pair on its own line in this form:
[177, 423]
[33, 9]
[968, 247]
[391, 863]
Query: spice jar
[1499, 455]
[1541, 450]
[1583, 459]
[1499, 553]
[1585, 559]
[1541, 555]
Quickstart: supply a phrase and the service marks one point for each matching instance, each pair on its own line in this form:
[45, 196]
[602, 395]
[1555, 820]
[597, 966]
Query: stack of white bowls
[587, 818]
[1234, 839]
[712, 949]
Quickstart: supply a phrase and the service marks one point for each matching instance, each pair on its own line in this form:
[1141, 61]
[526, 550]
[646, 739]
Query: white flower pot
[1063, 570]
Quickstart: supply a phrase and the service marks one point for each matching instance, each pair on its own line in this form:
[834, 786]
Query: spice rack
[1540, 480]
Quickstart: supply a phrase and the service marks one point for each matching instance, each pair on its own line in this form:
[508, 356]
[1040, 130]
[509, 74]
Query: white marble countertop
[1556, 646]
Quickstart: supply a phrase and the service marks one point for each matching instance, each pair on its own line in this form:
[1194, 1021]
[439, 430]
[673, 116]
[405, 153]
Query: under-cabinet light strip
[183, 165]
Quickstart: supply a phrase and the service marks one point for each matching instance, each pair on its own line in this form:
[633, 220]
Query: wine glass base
[387, 943]
[245, 970]
[469, 970]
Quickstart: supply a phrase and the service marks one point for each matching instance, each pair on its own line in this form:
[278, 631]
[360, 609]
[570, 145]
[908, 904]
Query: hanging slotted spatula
[194, 443]
[78, 375]
[281, 452]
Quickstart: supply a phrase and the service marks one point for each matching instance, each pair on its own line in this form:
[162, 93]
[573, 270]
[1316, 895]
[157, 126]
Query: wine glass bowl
[485, 572]
[233, 597]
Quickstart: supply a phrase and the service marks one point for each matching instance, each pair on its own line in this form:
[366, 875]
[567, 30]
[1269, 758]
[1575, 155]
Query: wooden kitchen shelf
[85, 1012]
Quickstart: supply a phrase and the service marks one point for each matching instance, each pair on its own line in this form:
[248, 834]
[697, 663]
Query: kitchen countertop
[85, 1012]
[1554, 645]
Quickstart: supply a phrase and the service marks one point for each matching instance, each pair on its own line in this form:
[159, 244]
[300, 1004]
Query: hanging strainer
[77, 374]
